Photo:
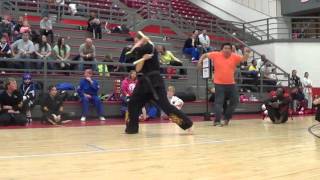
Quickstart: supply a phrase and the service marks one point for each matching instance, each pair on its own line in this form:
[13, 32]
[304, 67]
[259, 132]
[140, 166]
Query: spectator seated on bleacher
[87, 53]
[61, 52]
[5, 52]
[204, 40]
[25, 28]
[23, 49]
[43, 52]
[167, 58]
[46, 28]
[5, 27]
[253, 70]
[252, 75]
[106, 68]
[17, 27]
[94, 26]
[271, 77]
[191, 46]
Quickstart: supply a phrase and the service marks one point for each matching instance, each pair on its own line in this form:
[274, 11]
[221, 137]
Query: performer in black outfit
[52, 107]
[150, 86]
[10, 105]
[278, 107]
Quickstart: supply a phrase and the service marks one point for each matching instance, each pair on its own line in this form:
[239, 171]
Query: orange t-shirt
[224, 68]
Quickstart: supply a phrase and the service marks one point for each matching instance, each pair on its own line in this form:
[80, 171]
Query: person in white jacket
[174, 100]
[307, 89]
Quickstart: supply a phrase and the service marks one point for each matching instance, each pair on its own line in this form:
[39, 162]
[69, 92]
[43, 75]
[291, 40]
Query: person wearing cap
[28, 92]
[150, 86]
[11, 105]
[88, 92]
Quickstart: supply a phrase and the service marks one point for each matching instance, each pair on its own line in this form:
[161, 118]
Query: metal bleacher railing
[231, 31]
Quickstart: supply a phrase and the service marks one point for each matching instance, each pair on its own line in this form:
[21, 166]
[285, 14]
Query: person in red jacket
[127, 87]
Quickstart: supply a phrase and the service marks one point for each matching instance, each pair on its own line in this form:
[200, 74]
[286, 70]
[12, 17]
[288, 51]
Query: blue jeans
[223, 92]
[97, 103]
[194, 52]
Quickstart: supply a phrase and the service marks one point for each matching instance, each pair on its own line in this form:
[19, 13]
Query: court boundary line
[115, 150]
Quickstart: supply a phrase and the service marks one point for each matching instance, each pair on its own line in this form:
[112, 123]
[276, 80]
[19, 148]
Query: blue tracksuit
[92, 89]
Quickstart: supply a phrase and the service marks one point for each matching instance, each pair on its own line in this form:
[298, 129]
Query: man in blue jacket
[88, 92]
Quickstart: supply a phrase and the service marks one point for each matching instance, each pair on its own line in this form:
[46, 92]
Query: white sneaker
[83, 119]
[102, 118]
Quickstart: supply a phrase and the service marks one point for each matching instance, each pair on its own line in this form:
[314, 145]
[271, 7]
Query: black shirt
[150, 65]
[52, 103]
[188, 43]
[295, 81]
[14, 100]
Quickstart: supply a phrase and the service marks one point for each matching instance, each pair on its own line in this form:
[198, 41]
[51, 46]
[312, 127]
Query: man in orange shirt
[225, 63]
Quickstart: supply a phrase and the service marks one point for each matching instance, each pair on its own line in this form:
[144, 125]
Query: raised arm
[246, 55]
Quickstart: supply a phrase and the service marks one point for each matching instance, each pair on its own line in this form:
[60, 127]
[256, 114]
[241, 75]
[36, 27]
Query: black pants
[181, 71]
[7, 119]
[141, 96]
[96, 31]
[277, 116]
[223, 93]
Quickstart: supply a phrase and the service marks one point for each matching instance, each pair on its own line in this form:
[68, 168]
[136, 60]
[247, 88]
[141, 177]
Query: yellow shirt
[103, 68]
[167, 57]
[252, 68]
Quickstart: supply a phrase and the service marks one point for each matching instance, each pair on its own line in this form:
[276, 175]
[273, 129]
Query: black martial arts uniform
[51, 105]
[278, 109]
[150, 86]
[15, 101]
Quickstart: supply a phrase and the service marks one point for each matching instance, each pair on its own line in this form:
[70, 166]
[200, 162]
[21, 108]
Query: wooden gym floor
[247, 149]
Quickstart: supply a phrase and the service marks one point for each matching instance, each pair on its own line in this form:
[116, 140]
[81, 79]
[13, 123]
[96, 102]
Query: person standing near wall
[307, 89]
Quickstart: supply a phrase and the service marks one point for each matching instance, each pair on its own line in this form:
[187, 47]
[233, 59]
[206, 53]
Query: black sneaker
[218, 124]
